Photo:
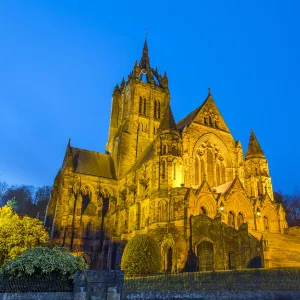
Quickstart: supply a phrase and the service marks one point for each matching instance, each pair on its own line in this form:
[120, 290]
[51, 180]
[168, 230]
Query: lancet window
[163, 169]
[157, 109]
[162, 210]
[142, 106]
[231, 219]
[240, 219]
[210, 167]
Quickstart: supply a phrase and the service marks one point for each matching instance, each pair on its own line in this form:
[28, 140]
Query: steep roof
[189, 118]
[167, 122]
[254, 150]
[206, 114]
[146, 155]
[93, 163]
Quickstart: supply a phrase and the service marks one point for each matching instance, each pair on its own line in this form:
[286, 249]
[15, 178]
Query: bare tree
[3, 189]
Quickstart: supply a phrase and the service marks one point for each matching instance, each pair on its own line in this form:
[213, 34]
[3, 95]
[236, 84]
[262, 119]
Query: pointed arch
[208, 203]
[231, 219]
[197, 171]
[140, 105]
[158, 110]
[155, 109]
[145, 106]
[222, 173]
[270, 214]
[218, 171]
[210, 167]
[162, 211]
[240, 219]
[163, 169]
[174, 169]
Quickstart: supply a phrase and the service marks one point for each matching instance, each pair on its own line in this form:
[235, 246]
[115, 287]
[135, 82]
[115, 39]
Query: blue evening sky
[60, 61]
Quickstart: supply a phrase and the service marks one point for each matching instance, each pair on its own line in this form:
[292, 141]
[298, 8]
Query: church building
[188, 184]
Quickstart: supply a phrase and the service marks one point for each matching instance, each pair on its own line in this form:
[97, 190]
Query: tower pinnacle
[254, 149]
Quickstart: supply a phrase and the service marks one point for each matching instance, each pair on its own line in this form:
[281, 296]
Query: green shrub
[42, 262]
[141, 255]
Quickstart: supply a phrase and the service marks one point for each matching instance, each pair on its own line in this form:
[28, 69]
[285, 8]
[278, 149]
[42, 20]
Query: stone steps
[284, 249]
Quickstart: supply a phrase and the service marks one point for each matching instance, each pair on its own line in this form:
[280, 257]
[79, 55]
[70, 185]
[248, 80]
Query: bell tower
[138, 105]
[257, 175]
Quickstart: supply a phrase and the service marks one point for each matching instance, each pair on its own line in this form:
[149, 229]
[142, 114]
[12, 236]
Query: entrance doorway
[266, 224]
[169, 260]
[205, 254]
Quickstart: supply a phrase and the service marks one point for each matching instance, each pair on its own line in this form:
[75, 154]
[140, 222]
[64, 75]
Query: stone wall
[295, 230]
[231, 248]
[37, 296]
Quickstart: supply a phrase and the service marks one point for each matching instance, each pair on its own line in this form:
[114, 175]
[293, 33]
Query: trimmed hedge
[42, 262]
[141, 255]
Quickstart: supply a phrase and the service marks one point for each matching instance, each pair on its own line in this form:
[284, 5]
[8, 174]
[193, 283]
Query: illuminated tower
[169, 146]
[137, 107]
[256, 170]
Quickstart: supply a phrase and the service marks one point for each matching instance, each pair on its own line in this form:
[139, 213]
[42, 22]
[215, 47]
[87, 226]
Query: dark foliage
[29, 200]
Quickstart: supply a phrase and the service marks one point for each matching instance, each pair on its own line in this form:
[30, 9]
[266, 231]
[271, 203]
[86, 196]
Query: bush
[44, 262]
[141, 255]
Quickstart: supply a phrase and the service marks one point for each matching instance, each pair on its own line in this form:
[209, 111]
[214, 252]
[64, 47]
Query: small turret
[136, 70]
[254, 150]
[167, 122]
[122, 85]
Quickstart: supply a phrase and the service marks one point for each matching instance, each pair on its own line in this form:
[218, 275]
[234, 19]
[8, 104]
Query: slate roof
[167, 122]
[254, 149]
[191, 116]
[146, 155]
[93, 163]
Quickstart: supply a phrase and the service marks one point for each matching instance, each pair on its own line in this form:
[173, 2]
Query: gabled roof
[93, 163]
[206, 114]
[167, 122]
[146, 156]
[189, 118]
[254, 150]
[223, 188]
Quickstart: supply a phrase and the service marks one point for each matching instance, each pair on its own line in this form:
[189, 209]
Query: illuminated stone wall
[155, 174]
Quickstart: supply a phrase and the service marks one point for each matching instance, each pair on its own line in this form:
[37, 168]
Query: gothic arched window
[197, 171]
[203, 210]
[155, 109]
[218, 171]
[174, 170]
[240, 219]
[140, 106]
[231, 219]
[158, 109]
[222, 177]
[163, 169]
[162, 210]
[145, 106]
[210, 167]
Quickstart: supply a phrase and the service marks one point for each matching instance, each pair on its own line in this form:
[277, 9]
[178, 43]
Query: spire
[122, 83]
[136, 70]
[117, 89]
[254, 149]
[167, 122]
[145, 62]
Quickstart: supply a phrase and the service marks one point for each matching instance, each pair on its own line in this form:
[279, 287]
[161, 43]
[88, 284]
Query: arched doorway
[266, 224]
[205, 254]
[169, 260]
[203, 210]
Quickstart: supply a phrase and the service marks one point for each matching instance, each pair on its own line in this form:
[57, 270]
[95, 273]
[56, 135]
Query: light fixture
[222, 208]
[258, 213]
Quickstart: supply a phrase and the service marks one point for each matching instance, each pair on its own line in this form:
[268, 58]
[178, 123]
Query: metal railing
[236, 280]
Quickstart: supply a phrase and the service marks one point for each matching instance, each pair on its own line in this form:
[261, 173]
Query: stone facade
[157, 176]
